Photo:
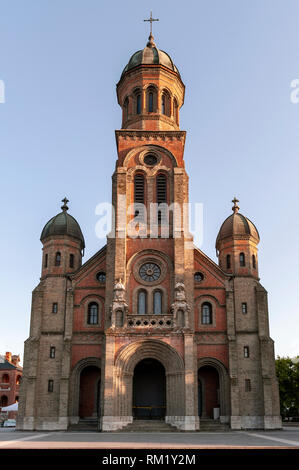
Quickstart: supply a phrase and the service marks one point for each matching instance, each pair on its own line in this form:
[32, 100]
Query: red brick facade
[103, 318]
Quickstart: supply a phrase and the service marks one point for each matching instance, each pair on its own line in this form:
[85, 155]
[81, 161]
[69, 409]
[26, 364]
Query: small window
[228, 263]
[50, 385]
[253, 262]
[126, 109]
[138, 104]
[58, 258]
[55, 307]
[142, 302]
[242, 259]
[101, 276]
[92, 318]
[72, 260]
[244, 307]
[52, 352]
[163, 104]
[18, 380]
[247, 385]
[206, 313]
[176, 111]
[157, 302]
[46, 260]
[198, 277]
[246, 351]
[5, 378]
[150, 102]
[150, 160]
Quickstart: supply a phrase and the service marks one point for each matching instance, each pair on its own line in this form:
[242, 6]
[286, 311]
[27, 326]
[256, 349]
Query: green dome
[63, 224]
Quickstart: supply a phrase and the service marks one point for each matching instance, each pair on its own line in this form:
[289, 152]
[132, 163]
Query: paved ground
[286, 438]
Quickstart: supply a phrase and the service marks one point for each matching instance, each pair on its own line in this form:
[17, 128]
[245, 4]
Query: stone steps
[85, 425]
[212, 425]
[146, 425]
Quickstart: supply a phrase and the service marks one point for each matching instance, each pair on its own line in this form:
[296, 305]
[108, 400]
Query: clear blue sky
[60, 61]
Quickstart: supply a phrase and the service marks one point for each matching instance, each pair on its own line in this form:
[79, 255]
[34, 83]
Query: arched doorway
[89, 394]
[149, 390]
[208, 391]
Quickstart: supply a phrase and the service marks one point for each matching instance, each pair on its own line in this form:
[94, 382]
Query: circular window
[198, 277]
[101, 276]
[149, 272]
[150, 160]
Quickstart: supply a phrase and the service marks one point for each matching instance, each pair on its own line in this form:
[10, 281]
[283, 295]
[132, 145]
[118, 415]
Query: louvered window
[139, 196]
[161, 196]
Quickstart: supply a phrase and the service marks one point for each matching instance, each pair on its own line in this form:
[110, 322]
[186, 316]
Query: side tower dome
[63, 243]
[150, 91]
[236, 244]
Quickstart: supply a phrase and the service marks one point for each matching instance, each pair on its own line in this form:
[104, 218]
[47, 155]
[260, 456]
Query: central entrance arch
[149, 390]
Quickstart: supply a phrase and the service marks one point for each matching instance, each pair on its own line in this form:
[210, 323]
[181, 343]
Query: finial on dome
[64, 207]
[151, 42]
[151, 37]
[235, 207]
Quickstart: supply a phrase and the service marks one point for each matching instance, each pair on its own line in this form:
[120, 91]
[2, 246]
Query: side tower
[253, 384]
[149, 290]
[45, 387]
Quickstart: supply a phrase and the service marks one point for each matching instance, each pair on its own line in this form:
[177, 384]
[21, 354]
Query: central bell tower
[150, 252]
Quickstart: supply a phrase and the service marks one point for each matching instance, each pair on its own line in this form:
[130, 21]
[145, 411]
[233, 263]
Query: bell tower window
[242, 259]
[58, 258]
[138, 103]
[139, 187]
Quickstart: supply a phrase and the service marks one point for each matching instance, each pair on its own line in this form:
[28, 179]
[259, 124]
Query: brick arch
[127, 359]
[149, 148]
[74, 382]
[224, 385]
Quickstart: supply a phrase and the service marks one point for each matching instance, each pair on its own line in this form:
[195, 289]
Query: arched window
[158, 302]
[46, 260]
[150, 102]
[206, 313]
[126, 109]
[228, 264]
[92, 318]
[161, 188]
[18, 379]
[242, 259]
[5, 378]
[139, 188]
[176, 111]
[253, 262]
[138, 103]
[58, 258]
[165, 103]
[72, 260]
[142, 302]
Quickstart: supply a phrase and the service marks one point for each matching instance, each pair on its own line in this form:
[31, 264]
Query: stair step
[148, 426]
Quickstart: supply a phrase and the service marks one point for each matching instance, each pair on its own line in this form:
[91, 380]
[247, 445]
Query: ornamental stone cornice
[143, 135]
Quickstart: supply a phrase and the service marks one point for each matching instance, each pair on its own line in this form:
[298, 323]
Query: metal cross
[64, 207]
[151, 20]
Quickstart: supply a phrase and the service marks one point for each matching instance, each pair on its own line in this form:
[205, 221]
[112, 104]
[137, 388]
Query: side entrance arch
[213, 389]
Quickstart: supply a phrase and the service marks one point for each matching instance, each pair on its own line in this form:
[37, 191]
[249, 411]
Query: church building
[149, 327]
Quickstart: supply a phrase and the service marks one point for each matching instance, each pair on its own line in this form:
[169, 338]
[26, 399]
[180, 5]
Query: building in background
[10, 379]
[149, 327]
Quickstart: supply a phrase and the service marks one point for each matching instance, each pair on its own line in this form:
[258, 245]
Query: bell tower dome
[236, 244]
[150, 91]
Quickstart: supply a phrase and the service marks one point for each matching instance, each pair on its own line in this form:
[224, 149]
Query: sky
[60, 61]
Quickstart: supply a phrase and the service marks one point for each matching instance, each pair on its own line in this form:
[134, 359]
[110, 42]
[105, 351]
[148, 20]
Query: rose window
[150, 272]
